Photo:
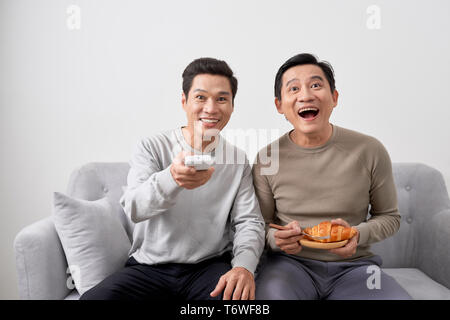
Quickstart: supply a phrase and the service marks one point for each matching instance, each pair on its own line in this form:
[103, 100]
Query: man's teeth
[209, 120]
[308, 109]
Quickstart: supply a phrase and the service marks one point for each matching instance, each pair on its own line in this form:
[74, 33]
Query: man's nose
[210, 106]
[305, 95]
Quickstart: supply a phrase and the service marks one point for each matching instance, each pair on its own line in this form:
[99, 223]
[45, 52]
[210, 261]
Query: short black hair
[208, 66]
[300, 59]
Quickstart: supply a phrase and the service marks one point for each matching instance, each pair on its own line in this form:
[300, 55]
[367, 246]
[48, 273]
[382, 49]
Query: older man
[325, 172]
[199, 233]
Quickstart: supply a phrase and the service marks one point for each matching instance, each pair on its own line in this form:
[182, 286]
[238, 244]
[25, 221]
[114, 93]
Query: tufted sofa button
[408, 188]
[105, 190]
[409, 220]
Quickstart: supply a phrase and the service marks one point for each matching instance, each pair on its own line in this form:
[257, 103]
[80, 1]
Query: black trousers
[162, 282]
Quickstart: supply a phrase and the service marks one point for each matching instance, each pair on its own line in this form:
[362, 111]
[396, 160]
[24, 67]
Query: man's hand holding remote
[188, 177]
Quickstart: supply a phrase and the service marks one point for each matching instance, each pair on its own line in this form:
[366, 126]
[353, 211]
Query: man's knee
[206, 281]
[102, 292]
[113, 287]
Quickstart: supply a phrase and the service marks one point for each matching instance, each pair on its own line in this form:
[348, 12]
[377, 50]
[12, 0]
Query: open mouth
[309, 113]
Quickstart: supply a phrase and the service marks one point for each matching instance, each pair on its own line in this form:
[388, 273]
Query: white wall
[68, 97]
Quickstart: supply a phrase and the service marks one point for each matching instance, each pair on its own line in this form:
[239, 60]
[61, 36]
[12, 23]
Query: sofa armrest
[433, 250]
[40, 262]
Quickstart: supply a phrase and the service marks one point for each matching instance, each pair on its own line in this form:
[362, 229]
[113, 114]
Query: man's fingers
[346, 251]
[238, 283]
[245, 293]
[290, 246]
[186, 179]
[288, 241]
[191, 174]
[196, 174]
[248, 293]
[341, 222]
[238, 290]
[229, 289]
[181, 169]
[292, 250]
[285, 234]
[293, 225]
[252, 292]
[219, 287]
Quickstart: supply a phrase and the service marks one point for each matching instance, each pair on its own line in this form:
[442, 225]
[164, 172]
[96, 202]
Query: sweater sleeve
[385, 217]
[247, 225]
[151, 190]
[266, 201]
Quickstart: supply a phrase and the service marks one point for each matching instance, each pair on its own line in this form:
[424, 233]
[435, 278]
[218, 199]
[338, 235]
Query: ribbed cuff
[364, 232]
[245, 260]
[270, 240]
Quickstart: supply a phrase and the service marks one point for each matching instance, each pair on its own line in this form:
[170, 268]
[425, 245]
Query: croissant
[336, 232]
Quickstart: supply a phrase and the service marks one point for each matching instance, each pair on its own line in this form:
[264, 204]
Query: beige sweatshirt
[344, 178]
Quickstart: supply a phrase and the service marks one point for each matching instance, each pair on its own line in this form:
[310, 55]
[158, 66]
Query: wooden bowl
[322, 245]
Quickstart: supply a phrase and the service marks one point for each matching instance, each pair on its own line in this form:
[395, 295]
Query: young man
[325, 172]
[199, 233]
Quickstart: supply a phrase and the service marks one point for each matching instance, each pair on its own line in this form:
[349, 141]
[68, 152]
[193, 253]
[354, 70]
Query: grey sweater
[174, 224]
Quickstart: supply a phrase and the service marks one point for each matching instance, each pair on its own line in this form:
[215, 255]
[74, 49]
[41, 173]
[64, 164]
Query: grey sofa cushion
[93, 239]
[95, 180]
[418, 284]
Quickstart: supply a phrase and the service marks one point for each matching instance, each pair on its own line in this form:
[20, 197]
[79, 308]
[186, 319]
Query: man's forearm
[153, 197]
[378, 227]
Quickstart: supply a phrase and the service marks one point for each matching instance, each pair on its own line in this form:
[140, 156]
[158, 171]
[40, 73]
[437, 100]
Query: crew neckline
[318, 148]
[187, 147]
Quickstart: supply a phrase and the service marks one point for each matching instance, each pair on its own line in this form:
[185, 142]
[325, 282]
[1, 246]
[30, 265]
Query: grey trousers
[288, 277]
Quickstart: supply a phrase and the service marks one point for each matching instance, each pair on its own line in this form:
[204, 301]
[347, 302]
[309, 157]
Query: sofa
[417, 256]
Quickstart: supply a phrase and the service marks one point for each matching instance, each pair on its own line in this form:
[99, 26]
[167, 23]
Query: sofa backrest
[421, 193]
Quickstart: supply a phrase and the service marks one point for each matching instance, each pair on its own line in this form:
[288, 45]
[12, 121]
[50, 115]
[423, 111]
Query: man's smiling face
[306, 99]
[209, 102]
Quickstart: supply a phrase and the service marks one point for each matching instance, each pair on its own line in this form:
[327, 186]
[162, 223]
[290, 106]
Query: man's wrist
[243, 268]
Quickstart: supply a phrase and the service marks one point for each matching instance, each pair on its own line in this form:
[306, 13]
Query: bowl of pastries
[338, 236]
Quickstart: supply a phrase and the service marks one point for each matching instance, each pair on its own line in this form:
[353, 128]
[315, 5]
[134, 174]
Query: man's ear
[278, 105]
[335, 98]
[183, 101]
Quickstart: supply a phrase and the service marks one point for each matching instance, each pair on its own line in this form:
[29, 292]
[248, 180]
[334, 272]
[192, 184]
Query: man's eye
[316, 85]
[200, 97]
[293, 89]
[222, 99]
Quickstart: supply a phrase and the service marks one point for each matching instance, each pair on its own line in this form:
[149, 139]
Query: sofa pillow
[94, 241]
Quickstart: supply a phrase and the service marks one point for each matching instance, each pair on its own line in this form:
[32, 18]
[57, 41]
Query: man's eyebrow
[311, 78]
[220, 92]
[316, 77]
[202, 90]
[292, 80]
